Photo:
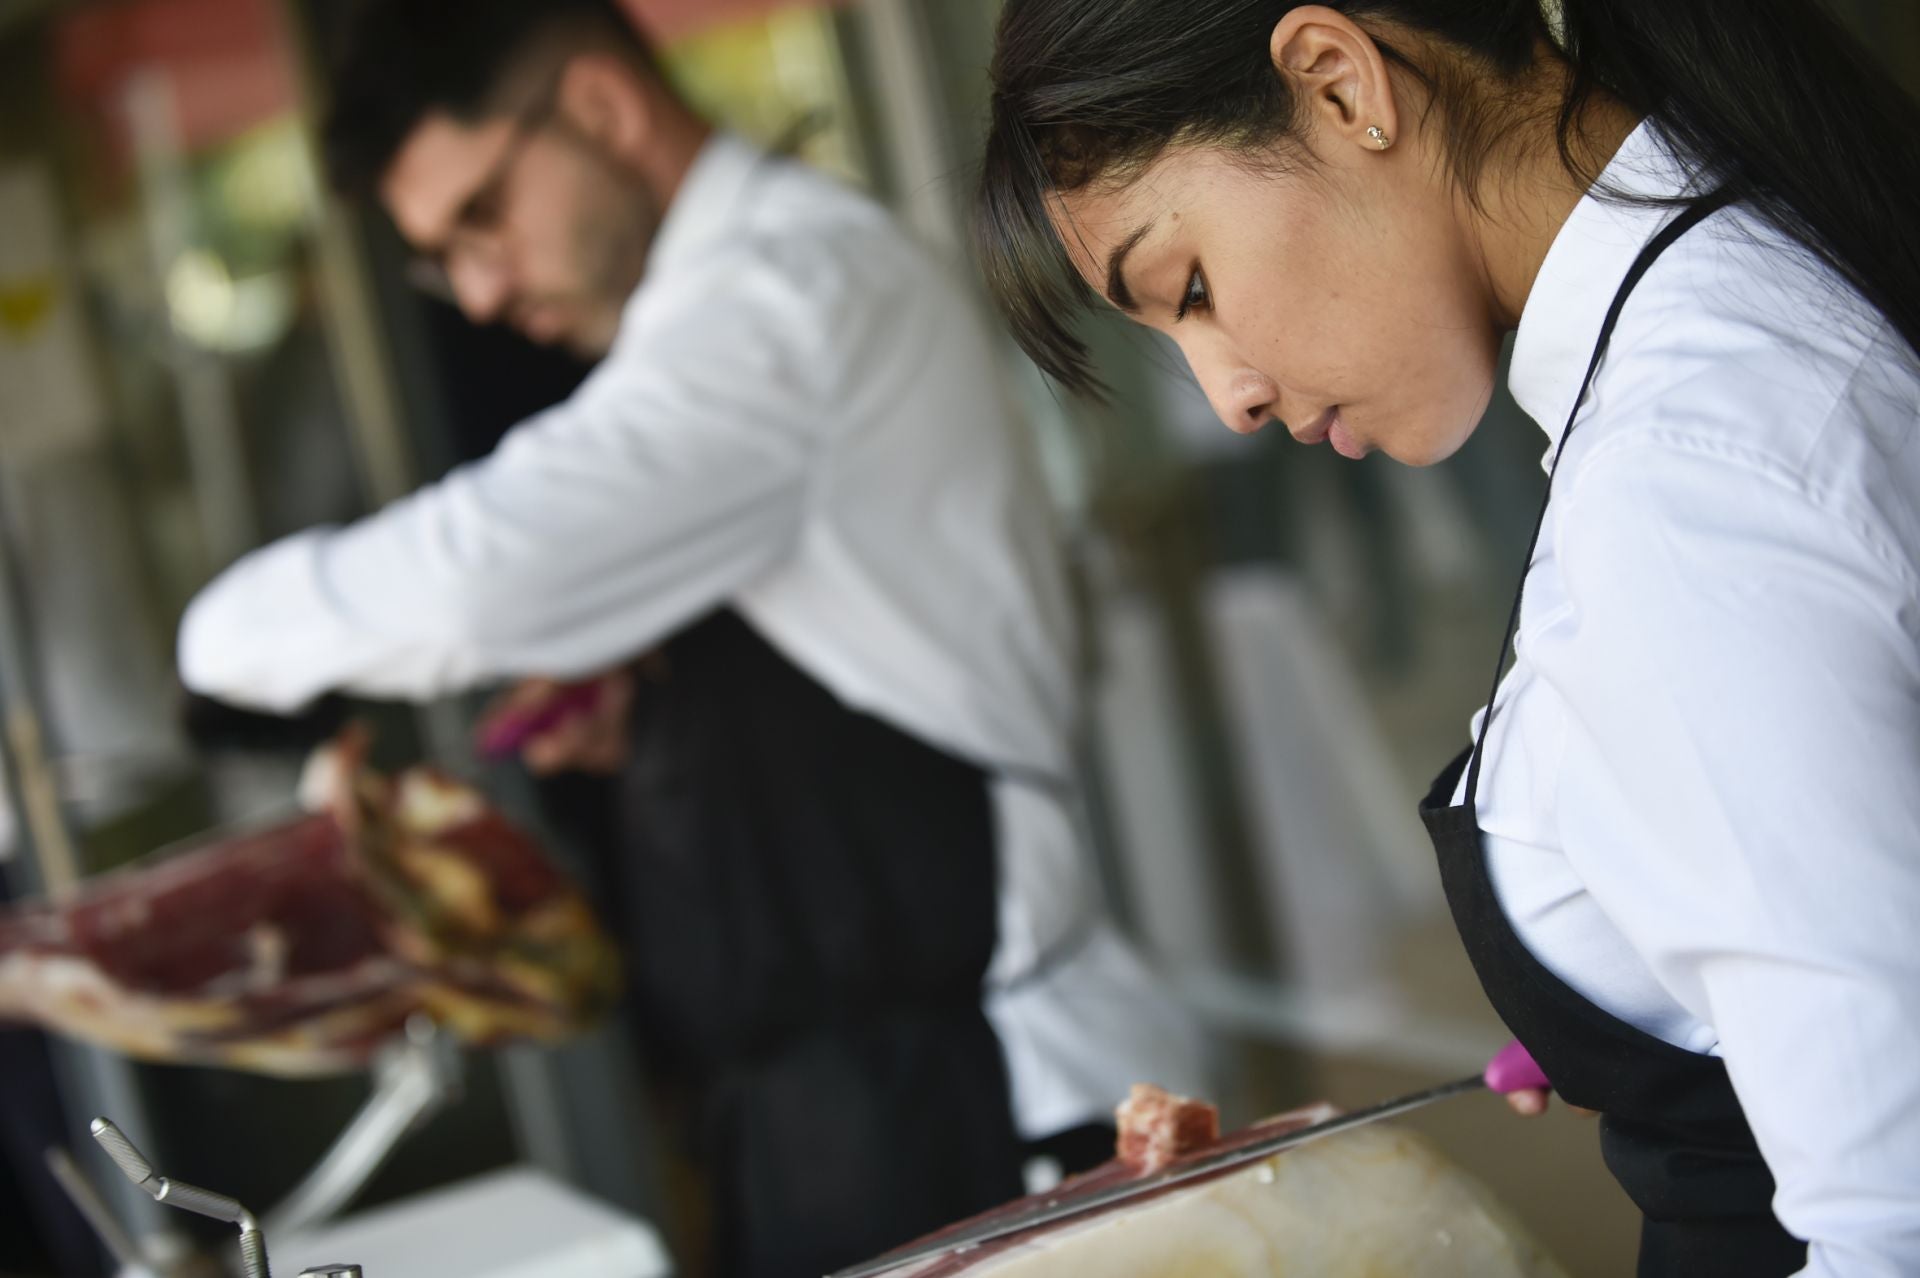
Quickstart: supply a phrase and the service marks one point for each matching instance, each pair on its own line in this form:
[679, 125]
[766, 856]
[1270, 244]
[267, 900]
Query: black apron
[809, 907]
[1671, 1129]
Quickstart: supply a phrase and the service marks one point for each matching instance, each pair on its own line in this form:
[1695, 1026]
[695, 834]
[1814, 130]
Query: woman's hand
[1517, 1076]
[1531, 1102]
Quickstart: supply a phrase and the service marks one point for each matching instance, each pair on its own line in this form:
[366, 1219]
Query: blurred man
[851, 884]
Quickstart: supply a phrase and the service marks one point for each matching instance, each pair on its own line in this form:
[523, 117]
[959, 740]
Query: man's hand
[594, 737]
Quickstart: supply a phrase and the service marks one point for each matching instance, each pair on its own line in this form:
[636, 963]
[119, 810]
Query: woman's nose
[1243, 399]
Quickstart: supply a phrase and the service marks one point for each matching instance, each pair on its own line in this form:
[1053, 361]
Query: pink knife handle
[1513, 1069]
[501, 736]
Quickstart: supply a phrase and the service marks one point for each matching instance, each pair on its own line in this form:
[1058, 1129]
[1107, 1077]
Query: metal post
[919, 152]
[209, 415]
[91, 1081]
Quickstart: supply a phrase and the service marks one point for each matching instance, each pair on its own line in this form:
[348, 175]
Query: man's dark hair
[401, 60]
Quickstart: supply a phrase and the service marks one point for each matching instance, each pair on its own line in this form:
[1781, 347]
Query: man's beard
[607, 245]
[610, 247]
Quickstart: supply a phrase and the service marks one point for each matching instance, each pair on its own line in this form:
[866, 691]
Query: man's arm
[674, 477]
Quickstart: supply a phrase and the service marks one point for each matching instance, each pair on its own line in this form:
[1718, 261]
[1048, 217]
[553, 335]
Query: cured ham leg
[299, 948]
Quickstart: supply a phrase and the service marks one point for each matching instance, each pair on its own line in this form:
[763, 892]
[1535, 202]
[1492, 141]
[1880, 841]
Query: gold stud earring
[1379, 136]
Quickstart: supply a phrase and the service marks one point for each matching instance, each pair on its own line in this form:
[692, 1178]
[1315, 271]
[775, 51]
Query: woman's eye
[1195, 298]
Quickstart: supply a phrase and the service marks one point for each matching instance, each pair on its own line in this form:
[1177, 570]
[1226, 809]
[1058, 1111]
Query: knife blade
[1511, 1070]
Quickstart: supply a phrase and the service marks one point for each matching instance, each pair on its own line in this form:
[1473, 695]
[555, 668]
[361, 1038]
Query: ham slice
[1366, 1202]
[1156, 1127]
[301, 947]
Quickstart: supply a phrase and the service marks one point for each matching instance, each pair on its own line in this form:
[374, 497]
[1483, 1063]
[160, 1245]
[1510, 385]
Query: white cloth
[1702, 788]
[799, 417]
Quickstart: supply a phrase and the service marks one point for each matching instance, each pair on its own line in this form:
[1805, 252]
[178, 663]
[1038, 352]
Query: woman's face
[1338, 295]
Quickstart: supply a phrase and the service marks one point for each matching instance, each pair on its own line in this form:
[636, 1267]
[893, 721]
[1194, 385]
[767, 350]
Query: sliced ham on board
[1155, 1128]
[1364, 1203]
[301, 947]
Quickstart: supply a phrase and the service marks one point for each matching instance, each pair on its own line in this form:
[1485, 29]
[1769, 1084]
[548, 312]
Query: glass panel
[169, 399]
[187, 408]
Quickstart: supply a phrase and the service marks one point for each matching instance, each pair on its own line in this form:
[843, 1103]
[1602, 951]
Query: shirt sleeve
[1743, 680]
[675, 476]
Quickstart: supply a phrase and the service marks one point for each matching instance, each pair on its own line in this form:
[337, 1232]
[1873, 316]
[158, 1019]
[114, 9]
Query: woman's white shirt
[1702, 789]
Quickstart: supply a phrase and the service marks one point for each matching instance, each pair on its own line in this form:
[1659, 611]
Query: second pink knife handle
[1513, 1069]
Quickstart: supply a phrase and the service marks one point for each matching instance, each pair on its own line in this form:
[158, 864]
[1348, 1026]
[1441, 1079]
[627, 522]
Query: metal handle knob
[121, 1151]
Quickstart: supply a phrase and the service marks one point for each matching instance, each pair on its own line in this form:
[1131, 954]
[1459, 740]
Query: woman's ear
[600, 99]
[1338, 75]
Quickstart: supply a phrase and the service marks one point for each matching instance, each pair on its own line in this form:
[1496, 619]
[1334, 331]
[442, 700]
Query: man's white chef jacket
[799, 418]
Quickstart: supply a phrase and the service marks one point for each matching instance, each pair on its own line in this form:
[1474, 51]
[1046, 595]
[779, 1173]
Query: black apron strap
[1699, 211]
[1672, 1130]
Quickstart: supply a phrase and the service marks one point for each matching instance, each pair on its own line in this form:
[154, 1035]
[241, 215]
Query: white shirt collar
[1589, 257]
[709, 202]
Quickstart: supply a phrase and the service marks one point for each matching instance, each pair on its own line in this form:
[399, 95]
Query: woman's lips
[1317, 430]
[1343, 440]
[1329, 428]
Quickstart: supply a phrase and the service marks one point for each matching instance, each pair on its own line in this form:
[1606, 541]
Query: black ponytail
[1809, 129]
[1772, 95]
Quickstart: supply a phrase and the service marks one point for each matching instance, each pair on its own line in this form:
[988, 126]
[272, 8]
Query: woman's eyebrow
[1117, 291]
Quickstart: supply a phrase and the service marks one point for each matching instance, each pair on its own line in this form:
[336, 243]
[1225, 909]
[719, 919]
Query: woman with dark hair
[1684, 849]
